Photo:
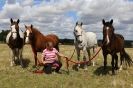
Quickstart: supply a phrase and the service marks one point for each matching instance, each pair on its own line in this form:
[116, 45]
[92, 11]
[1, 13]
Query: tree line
[3, 35]
[65, 41]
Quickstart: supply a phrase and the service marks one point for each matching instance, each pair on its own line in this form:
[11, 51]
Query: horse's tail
[127, 59]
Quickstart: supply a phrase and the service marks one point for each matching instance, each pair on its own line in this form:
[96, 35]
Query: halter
[77, 36]
[13, 32]
[26, 36]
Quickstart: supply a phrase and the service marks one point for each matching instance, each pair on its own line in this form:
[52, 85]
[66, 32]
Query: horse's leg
[121, 60]
[20, 57]
[116, 62]
[35, 55]
[78, 55]
[85, 55]
[112, 63]
[94, 51]
[105, 60]
[17, 55]
[12, 58]
[89, 56]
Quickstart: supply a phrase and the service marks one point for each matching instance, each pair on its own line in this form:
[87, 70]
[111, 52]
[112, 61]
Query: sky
[60, 16]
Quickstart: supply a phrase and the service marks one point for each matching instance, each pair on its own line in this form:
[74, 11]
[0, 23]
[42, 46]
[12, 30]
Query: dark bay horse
[15, 41]
[113, 44]
[38, 41]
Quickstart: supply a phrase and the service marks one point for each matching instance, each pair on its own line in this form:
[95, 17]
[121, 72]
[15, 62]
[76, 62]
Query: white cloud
[26, 2]
[11, 11]
[50, 17]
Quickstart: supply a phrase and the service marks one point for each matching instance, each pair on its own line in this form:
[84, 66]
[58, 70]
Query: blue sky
[60, 16]
[2, 2]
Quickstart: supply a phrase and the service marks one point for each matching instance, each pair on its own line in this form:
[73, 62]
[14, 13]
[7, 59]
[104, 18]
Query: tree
[3, 35]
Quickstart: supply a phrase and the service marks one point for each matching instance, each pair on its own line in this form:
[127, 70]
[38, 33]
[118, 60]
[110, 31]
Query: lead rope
[69, 59]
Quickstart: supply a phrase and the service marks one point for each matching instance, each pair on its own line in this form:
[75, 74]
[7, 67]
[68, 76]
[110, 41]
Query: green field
[94, 77]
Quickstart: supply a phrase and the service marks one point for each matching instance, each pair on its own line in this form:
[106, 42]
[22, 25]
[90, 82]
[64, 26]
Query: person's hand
[44, 62]
[65, 57]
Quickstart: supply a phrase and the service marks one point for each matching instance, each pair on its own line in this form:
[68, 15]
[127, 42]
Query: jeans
[48, 67]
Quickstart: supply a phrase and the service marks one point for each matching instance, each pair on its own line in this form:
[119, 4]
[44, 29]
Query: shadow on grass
[100, 70]
[25, 61]
[65, 71]
[82, 66]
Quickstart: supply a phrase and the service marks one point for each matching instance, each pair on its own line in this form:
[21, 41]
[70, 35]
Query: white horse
[84, 41]
[15, 41]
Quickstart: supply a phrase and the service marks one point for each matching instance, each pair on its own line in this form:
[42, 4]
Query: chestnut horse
[38, 41]
[112, 44]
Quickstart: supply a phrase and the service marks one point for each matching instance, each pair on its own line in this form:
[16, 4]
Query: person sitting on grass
[50, 58]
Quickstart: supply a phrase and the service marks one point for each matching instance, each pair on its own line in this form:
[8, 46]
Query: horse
[38, 41]
[84, 41]
[112, 44]
[15, 41]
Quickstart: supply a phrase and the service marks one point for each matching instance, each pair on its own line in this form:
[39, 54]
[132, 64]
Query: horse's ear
[25, 26]
[11, 20]
[31, 26]
[103, 21]
[77, 23]
[81, 23]
[111, 21]
[18, 21]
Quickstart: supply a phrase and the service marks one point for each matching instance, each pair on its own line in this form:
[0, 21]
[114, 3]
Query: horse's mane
[36, 31]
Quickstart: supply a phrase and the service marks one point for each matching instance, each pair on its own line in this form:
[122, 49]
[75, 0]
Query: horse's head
[28, 34]
[14, 28]
[108, 30]
[78, 32]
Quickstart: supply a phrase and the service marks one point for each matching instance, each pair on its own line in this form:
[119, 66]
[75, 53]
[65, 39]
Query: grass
[94, 77]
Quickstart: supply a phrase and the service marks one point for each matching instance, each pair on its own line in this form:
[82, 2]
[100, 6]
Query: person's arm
[42, 58]
[61, 55]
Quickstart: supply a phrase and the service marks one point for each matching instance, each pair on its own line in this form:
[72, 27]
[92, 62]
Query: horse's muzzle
[79, 41]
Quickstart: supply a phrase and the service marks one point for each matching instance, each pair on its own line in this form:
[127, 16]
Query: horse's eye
[31, 34]
[75, 30]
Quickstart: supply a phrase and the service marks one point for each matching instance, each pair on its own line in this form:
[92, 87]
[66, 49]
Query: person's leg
[60, 65]
[48, 68]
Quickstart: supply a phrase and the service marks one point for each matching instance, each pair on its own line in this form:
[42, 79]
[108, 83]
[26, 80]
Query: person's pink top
[50, 56]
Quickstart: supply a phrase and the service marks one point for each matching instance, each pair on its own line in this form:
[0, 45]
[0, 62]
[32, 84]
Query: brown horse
[113, 44]
[38, 41]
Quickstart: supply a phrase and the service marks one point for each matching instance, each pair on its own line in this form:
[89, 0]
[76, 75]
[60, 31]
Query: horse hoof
[89, 64]
[93, 64]
[116, 68]
[120, 69]
[11, 65]
[85, 69]
[78, 65]
[22, 65]
[113, 74]
[34, 66]
[104, 68]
